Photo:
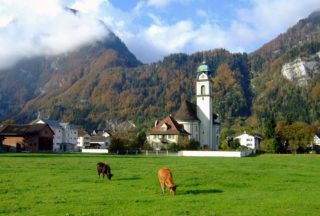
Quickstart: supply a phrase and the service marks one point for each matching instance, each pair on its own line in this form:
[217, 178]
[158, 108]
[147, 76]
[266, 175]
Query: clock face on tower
[203, 76]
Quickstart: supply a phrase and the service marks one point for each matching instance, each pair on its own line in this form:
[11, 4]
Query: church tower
[204, 108]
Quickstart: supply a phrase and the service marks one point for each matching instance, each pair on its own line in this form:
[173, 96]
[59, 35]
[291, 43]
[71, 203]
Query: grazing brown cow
[166, 180]
[104, 169]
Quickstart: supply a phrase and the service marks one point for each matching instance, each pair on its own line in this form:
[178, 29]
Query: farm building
[32, 138]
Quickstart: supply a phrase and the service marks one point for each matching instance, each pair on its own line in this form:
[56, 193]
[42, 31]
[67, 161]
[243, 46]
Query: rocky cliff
[302, 69]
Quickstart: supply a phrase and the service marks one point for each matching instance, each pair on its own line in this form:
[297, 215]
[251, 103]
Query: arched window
[203, 89]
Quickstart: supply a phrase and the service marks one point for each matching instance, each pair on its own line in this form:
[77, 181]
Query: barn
[29, 138]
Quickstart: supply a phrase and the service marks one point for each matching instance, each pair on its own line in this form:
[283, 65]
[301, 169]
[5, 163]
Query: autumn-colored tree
[297, 136]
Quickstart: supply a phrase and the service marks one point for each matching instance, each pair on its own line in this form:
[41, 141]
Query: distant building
[83, 139]
[165, 132]
[198, 120]
[31, 138]
[250, 141]
[316, 140]
[66, 135]
[99, 140]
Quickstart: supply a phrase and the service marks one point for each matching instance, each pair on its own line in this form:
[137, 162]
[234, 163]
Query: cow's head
[173, 189]
[109, 175]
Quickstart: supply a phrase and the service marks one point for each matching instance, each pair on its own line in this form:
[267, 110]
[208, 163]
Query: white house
[198, 120]
[83, 139]
[65, 135]
[250, 141]
[316, 140]
[100, 140]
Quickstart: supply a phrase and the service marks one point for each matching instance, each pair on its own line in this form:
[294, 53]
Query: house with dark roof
[164, 132]
[31, 138]
[99, 142]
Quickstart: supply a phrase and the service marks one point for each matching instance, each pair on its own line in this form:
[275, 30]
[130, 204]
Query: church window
[203, 89]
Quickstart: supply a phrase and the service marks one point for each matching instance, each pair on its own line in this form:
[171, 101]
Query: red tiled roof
[172, 127]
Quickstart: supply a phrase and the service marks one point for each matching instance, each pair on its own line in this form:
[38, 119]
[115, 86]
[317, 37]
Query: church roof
[187, 112]
[203, 67]
[168, 126]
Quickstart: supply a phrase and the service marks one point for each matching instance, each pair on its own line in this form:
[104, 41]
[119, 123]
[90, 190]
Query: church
[194, 121]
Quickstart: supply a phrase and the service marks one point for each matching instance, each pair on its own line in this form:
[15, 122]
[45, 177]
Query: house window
[164, 127]
[203, 89]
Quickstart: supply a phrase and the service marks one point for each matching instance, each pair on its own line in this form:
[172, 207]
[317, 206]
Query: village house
[30, 138]
[250, 141]
[99, 140]
[315, 143]
[65, 135]
[316, 140]
[83, 140]
[165, 132]
[198, 120]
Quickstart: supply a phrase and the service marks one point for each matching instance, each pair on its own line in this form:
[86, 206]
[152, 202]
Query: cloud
[87, 6]
[158, 40]
[152, 29]
[39, 27]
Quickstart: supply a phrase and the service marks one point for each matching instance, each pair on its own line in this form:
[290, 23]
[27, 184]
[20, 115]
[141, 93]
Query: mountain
[103, 83]
[286, 75]
[34, 81]
[305, 31]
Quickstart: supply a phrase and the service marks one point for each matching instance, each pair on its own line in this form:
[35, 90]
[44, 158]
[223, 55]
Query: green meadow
[68, 184]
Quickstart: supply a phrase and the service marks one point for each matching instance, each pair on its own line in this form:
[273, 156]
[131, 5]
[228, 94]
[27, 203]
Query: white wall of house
[156, 141]
[249, 141]
[70, 133]
[316, 140]
[83, 141]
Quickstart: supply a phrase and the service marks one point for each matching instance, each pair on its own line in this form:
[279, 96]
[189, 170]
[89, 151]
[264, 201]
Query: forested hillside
[147, 92]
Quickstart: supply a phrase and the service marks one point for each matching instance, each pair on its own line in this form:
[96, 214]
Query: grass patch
[67, 184]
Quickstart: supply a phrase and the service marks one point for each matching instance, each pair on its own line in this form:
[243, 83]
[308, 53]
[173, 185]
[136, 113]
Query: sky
[151, 29]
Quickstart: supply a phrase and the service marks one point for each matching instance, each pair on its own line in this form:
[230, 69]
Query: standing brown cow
[166, 180]
[104, 169]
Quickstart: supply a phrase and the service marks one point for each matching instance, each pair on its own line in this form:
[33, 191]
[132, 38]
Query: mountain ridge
[106, 83]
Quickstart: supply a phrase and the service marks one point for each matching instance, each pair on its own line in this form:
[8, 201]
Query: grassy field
[67, 184]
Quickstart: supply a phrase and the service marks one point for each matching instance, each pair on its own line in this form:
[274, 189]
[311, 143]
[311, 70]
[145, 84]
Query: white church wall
[192, 128]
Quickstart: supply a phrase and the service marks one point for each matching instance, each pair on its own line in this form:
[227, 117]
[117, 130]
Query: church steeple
[203, 67]
[204, 106]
